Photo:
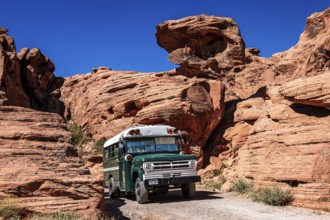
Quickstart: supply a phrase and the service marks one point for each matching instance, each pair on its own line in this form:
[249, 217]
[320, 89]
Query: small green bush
[274, 196]
[9, 210]
[242, 186]
[98, 145]
[55, 216]
[216, 183]
[78, 136]
[216, 172]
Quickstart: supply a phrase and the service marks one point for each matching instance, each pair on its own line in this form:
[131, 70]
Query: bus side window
[109, 152]
[106, 153]
[116, 151]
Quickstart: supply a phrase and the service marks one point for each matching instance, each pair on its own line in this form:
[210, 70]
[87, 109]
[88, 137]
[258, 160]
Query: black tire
[115, 194]
[141, 192]
[188, 190]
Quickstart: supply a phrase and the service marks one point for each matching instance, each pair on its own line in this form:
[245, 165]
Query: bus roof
[145, 131]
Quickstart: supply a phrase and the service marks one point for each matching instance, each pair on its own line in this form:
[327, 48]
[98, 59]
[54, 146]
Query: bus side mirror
[121, 145]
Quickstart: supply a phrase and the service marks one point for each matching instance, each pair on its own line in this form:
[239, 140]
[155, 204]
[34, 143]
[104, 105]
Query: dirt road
[206, 205]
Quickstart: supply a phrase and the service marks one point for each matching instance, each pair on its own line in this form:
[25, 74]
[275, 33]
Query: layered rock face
[27, 78]
[107, 102]
[313, 91]
[287, 144]
[40, 169]
[311, 56]
[279, 134]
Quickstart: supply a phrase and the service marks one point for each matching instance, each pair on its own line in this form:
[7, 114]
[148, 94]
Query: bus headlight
[148, 166]
[193, 164]
[128, 157]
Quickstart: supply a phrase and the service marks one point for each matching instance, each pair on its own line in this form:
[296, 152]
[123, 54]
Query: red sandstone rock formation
[39, 167]
[282, 139]
[311, 55]
[108, 102]
[204, 46]
[11, 88]
[27, 78]
[263, 135]
[313, 91]
[271, 133]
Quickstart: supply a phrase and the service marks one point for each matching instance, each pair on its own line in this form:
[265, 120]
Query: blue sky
[81, 35]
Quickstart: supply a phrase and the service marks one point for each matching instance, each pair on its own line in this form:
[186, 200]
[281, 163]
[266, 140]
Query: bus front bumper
[171, 181]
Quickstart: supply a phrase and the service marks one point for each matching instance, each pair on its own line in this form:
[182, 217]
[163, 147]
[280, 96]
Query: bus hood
[163, 157]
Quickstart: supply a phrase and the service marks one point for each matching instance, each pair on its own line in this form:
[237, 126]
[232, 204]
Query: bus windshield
[154, 144]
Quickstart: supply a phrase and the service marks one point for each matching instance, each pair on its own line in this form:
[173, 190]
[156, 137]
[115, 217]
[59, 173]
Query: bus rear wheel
[188, 190]
[141, 192]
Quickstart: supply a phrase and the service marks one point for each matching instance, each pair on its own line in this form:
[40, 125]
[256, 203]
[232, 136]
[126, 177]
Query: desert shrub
[98, 145]
[215, 183]
[78, 136]
[55, 216]
[274, 196]
[242, 186]
[9, 209]
[216, 172]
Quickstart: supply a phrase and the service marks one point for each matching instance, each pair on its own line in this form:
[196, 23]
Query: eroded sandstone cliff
[106, 102]
[40, 170]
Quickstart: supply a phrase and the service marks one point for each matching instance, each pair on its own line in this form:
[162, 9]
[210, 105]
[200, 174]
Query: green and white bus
[148, 158]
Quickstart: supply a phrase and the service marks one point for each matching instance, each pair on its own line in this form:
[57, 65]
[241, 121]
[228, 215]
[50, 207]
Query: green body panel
[115, 174]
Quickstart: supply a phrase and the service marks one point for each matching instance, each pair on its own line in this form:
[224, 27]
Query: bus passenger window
[106, 153]
[109, 153]
[116, 151]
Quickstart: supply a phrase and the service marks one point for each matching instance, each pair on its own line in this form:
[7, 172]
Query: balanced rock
[204, 46]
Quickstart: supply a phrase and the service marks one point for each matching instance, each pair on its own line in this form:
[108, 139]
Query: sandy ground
[205, 205]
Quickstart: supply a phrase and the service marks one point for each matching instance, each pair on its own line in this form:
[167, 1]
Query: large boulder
[313, 90]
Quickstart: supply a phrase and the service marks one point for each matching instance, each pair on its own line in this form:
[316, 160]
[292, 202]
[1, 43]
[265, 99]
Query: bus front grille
[170, 165]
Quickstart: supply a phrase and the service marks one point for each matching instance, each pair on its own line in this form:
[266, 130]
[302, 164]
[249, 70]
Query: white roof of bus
[145, 131]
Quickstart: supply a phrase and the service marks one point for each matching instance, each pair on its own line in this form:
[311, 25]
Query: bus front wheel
[141, 192]
[188, 190]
